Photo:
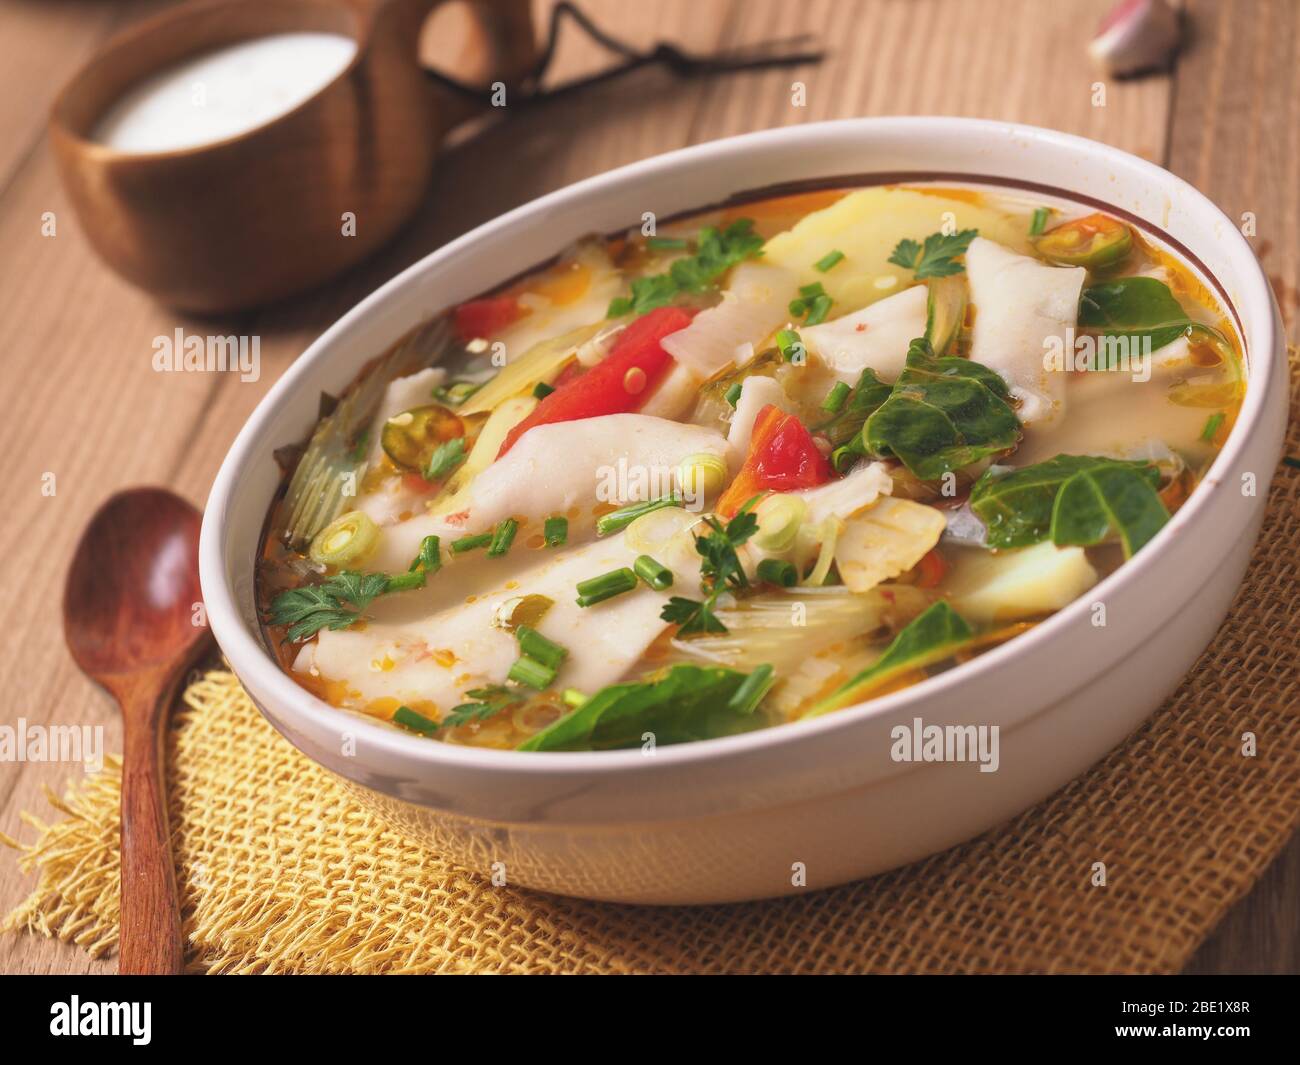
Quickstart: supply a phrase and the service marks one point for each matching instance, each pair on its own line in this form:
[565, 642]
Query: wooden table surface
[83, 403]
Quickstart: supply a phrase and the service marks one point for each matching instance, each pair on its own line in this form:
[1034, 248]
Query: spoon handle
[150, 934]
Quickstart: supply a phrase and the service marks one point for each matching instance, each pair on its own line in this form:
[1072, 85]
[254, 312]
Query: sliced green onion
[830, 259]
[430, 557]
[625, 516]
[606, 586]
[752, 690]
[408, 718]
[502, 537]
[541, 390]
[779, 572]
[666, 243]
[797, 308]
[555, 531]
[821, 307]
[470, 543]
[653, 572]
[1039, 222]
[344, 540]
[445, 458]
[699, 476]
[732, 395]
[835, 398]
[537, 647]
[812, 291]
[406, 582]
[574, 698]
[1211, 427]
[531, 673]
[779, 518]
[789, 344]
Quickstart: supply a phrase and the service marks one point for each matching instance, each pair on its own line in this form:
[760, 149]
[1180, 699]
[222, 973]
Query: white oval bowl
[742, 817]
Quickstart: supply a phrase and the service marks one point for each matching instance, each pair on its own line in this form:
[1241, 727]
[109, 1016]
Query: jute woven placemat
[282, 871]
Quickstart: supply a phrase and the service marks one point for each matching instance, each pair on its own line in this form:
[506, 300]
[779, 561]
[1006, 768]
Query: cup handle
[507, 26]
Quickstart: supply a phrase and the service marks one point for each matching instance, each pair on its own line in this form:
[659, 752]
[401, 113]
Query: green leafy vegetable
[868, 394]
[1070, 499]
[936, 257]
[931, 637]
[685, 703]
[716, 251]
[942, 414]
[720, 568]
[1135, 307]
[488, 702]
[335, 603]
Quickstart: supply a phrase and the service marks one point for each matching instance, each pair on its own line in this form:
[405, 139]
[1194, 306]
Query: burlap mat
[282, 871]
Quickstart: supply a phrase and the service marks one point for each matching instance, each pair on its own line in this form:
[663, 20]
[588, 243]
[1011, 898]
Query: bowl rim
[246, 654]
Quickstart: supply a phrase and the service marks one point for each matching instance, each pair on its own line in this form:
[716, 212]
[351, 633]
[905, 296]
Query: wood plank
[1235, 135]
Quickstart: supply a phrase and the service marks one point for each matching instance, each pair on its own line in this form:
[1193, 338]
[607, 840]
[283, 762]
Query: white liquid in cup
[224, 92]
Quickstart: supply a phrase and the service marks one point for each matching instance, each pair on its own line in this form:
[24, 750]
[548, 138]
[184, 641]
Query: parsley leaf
[720, 567]
[489, 701]
[692, 615]
[335, 603]
[716, 251]
[935, 257]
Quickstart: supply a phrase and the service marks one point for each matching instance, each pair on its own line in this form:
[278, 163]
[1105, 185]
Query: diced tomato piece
[782, 457]
[931, 569]
[621, 382]
[486, 317]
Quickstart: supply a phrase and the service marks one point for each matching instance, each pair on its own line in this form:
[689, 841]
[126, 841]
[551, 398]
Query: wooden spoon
[129, 617]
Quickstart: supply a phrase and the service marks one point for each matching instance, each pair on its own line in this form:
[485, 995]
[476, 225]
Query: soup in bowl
[767, 476]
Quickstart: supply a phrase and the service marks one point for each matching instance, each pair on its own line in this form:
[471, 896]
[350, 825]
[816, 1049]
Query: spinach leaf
[867, 395]
[1095, 504]
[685, 703]
[1105, 497]
[942, 414]
[1134, 306]
[931, 637]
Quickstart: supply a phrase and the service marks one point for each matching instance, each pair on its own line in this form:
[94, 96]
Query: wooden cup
[252, 218]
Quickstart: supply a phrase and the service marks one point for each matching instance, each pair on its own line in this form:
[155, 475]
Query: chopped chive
[831, 258]
[732, 395]
[502, 537]
[555, 531]
[537, 647]
[1211, 427]
[606, 586]
[1039, 222]
[408, 718]
[405, 582]
[574, 698]
[541, 390]
[821, 307]
[530, 672]
[835, 398]
[779, 572]
[653, 572]
[797, 308]
[811, 292]
[625, 516]
[470, 543]
[430, 557]
[789, 344]
[666, 243]
[752, 690]
[445, 458]
[1290, 460]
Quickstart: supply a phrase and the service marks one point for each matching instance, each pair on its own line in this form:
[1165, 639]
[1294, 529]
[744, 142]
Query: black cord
[681, 63]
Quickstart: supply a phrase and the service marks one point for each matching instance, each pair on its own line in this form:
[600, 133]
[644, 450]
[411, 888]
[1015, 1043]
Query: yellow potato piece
[866, 225]
[1023, 583]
